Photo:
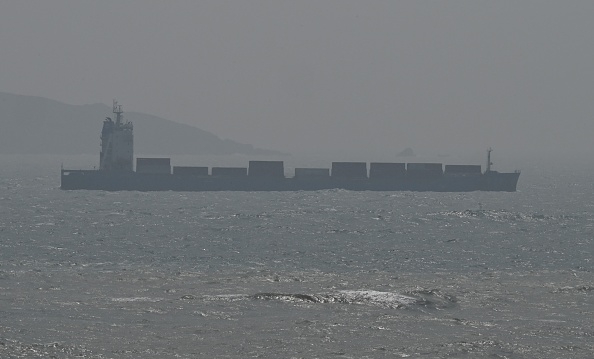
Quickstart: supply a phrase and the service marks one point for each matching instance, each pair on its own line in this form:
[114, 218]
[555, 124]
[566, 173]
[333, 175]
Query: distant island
[37, 125]
[407, 152]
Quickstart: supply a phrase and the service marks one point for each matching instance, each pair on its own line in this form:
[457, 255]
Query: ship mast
[489, 163]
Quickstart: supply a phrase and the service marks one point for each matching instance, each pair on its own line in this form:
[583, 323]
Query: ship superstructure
[116, 173]
[117, 143]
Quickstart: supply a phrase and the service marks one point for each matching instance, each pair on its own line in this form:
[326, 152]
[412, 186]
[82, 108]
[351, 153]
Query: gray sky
[330, 76]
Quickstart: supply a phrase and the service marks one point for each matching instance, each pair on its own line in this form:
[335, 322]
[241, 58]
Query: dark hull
[131, 181]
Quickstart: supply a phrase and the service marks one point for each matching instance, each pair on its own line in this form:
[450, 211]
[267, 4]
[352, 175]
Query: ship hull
[132, 181]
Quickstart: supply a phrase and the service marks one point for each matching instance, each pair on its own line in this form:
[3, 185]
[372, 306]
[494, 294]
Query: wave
[579, 288]
[501, 215]
[363, 297]
[136, 299]
[433, 298]
[418, 298]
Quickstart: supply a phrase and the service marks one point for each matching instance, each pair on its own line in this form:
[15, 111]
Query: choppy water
[329, 274]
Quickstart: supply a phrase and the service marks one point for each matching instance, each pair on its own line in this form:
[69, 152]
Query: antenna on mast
[117, 109]
[489, 163]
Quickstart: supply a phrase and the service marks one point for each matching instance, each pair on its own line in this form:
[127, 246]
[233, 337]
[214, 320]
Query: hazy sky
[331, 76]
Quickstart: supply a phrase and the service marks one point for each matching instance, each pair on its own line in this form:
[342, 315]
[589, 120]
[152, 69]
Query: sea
[326, 274]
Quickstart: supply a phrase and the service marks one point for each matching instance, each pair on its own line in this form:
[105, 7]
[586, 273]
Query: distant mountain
[37, 125]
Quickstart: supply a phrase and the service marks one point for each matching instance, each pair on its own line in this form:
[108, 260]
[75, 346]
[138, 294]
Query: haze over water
[342, 274]
[331, 77]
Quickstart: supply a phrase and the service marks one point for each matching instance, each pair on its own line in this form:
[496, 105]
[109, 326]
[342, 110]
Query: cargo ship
[117, 173]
